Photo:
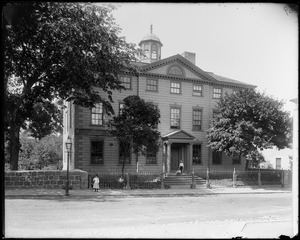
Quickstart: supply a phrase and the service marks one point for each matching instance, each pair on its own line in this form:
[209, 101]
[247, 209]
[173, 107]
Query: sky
[256, 43]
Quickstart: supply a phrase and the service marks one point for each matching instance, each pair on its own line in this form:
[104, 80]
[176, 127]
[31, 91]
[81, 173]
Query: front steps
[184, 181]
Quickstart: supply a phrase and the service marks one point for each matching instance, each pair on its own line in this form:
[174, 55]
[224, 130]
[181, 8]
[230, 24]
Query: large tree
[249, 121]
[135, 127]
[58, 51]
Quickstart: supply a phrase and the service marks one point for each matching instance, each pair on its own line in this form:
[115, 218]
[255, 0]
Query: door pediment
[178, 135]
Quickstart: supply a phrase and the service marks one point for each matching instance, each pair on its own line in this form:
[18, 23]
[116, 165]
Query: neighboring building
[186, 96]
[277, 159]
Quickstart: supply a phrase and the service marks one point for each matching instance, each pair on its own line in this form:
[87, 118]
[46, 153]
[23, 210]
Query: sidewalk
[89, 193]
[266, 228]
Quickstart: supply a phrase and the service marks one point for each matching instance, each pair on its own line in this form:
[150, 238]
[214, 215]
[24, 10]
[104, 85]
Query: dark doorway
[176, 155]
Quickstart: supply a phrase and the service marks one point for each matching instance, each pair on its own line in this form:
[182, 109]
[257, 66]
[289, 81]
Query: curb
[30, 196]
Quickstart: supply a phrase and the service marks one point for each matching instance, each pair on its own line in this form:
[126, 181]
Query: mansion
[186, 96]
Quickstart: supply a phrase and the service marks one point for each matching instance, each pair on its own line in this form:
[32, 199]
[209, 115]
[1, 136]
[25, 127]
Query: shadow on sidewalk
[270, 188]
[73, 197]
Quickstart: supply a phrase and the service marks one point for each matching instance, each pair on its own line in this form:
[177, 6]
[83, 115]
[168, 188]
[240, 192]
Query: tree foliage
[249, 121]
[45, 153]
[55, 51]
[136, 126]
[256, 158]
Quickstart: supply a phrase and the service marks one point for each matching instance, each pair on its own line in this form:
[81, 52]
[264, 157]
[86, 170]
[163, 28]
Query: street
[207, 216]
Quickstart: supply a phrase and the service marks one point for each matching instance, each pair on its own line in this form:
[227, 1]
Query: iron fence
[145, 181]
[249, 177]
[111, 181]
[119, 180]
[209, 178]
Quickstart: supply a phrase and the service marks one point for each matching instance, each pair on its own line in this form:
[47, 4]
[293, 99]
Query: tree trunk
[137, 160]
[123, 165]
[126, 152]
[14, 134]
[247, 165]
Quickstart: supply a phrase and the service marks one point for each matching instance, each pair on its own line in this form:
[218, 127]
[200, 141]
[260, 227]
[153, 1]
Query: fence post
[127, 182]
[162, 181]
[89, 179]
[234, 178]
[282, 178]
[259, 177]
[207, 178]
[193, 186]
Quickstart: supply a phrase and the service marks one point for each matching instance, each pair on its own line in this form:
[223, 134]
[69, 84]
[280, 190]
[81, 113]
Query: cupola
[151, 46]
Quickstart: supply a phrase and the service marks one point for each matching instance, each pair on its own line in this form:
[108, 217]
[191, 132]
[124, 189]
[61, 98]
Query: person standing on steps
[181, 166]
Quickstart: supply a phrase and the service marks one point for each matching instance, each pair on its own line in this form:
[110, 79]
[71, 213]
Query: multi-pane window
[217, 93]
[151, 85]
[154, 51]
[197, 90]
[97, 152]
[278, 163]
[124, 153]
[97, 114]
[236, 158]
[197, 154]
[175, 87]
[217, 157]
[126, 82]
[175, 117]
[121, 106]
[150, 157]
[197, 119]
[216, 114]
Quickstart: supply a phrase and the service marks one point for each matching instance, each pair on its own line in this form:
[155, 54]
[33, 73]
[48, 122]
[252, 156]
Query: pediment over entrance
[179, 134]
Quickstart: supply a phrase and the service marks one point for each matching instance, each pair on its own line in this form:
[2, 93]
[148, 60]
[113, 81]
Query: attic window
[175, 70]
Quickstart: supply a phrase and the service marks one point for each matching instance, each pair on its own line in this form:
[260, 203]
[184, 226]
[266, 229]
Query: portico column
[191, 156]
[164, 158]
[168, 156]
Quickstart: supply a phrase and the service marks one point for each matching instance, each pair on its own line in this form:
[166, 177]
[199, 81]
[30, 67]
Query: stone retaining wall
[51, 179]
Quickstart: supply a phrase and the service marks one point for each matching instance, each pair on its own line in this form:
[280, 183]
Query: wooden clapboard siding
[164, 99]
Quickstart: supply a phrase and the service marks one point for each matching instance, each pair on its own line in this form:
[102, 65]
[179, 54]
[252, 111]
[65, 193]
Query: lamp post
[68, 146]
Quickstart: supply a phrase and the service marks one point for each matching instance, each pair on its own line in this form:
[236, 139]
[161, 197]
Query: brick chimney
[190, 56]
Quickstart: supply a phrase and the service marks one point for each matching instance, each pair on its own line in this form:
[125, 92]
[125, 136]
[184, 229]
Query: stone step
[184, 179]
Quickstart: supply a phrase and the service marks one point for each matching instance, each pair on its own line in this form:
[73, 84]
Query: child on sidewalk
[96, 183]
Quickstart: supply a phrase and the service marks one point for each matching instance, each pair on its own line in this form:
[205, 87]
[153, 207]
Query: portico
[178, 145]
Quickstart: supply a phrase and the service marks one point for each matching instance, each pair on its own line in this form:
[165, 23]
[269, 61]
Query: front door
[175, 156]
